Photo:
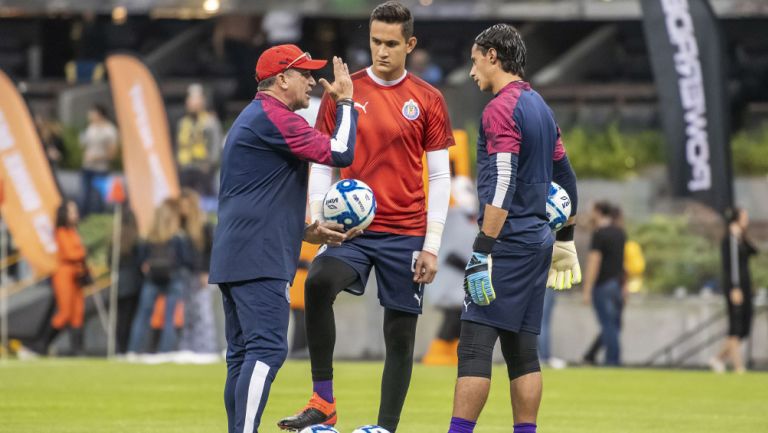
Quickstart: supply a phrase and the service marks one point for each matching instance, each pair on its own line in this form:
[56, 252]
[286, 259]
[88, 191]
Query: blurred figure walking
[736, 252]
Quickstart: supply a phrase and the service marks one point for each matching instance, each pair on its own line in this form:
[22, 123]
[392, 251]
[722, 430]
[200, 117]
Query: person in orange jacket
[71, 272]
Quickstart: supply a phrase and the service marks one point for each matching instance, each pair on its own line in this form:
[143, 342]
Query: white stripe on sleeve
[341, 139]
[255, 394]
[503, 178]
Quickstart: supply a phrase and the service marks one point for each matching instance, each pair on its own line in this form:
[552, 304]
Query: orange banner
[30, 193]
[147, 157]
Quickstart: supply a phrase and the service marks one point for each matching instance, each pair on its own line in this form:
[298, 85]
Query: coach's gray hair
[267, 83]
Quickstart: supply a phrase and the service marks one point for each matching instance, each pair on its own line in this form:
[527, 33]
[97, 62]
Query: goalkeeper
[519, 153]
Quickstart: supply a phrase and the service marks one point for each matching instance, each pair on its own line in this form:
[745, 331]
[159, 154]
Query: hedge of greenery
[677, 256]
[611, 153]
[750, 152]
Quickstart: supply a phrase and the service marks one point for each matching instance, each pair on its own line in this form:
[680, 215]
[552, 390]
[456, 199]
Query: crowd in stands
[165, 303]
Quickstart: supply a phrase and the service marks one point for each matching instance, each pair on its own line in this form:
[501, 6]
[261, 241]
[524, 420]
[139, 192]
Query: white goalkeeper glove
[565, 270]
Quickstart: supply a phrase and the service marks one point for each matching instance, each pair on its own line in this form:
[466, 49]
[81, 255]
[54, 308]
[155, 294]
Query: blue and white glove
[477, 274]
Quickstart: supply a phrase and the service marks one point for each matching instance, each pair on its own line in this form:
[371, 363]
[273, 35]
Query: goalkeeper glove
[477, 274]
[565, 270]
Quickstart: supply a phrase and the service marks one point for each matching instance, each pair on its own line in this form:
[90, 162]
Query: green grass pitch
[78, 396]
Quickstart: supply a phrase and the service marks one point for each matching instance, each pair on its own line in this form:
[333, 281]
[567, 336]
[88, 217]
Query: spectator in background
[736, 252]
[130, 278]
[99, 144]
[634, 266]
[198, 337]
[420, 64]
[198, 144]
[165, 260]
[69, 277]
[604, 277]
[50, 136]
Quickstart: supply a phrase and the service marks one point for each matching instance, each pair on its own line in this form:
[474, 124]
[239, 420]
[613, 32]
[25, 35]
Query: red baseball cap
[281, 57]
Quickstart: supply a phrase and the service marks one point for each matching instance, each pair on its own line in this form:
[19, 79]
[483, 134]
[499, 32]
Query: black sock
[399, 336]
[327, 277]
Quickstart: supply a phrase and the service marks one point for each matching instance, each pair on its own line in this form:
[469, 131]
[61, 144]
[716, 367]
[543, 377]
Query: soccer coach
[262, 202]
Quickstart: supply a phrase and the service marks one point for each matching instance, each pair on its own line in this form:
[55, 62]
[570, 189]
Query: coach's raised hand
[342, 82]
[325, 233]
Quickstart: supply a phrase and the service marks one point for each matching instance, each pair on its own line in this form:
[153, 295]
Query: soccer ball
[558, 207]
[351, 203]
[370, 429]
[319, 428]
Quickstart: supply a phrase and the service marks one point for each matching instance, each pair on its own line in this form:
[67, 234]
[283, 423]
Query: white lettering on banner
[44, 228]
[688, 65]
[6, 139]
[142, 118]
[160, 188]
[25, 188]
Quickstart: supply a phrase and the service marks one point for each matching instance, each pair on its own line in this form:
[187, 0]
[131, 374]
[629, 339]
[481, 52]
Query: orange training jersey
[397, 123]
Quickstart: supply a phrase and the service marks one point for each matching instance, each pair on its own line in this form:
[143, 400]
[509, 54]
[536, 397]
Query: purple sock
[525, 428]
[324, 388]
[461, 425]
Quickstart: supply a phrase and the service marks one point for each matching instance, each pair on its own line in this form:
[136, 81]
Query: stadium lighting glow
[211, 6]
[119, 15]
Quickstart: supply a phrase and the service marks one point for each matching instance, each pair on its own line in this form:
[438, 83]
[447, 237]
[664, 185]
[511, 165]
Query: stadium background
[589, 60]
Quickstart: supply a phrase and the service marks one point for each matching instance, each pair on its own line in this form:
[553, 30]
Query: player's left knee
[522, 355]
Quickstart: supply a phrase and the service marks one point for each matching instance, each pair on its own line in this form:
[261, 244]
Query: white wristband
[434, 237]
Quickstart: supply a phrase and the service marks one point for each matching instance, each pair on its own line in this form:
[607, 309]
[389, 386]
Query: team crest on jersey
[411, 110]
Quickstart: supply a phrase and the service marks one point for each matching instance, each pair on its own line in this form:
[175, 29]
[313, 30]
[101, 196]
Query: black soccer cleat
[317, 411]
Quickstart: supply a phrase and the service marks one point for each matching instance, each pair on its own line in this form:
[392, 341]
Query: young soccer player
[400, 118]
[519, 153]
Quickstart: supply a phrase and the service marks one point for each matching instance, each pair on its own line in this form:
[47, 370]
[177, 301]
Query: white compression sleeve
[439, 169]
[320, 177]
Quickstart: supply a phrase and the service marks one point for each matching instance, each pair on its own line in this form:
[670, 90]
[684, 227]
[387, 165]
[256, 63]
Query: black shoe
[317, 411]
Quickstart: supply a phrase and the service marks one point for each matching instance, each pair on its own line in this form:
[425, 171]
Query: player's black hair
[509, 46]
[393, 12]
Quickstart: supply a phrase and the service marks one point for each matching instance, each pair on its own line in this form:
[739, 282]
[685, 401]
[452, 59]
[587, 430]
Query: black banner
[686, 51]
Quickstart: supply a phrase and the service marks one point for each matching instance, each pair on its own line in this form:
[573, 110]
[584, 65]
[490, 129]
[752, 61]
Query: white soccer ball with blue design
[558, 207]
[351, 203]
[370, 429]
[319, 428]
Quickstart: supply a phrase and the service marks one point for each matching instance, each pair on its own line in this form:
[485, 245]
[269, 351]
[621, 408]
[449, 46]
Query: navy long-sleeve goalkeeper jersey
[263, 193]
[518, 151]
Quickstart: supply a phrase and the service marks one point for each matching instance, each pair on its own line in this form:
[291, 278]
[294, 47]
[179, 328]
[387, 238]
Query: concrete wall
[650, 323]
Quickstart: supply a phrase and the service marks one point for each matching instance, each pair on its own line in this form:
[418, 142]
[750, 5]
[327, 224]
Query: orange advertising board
[147, 155]
[30, 195]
